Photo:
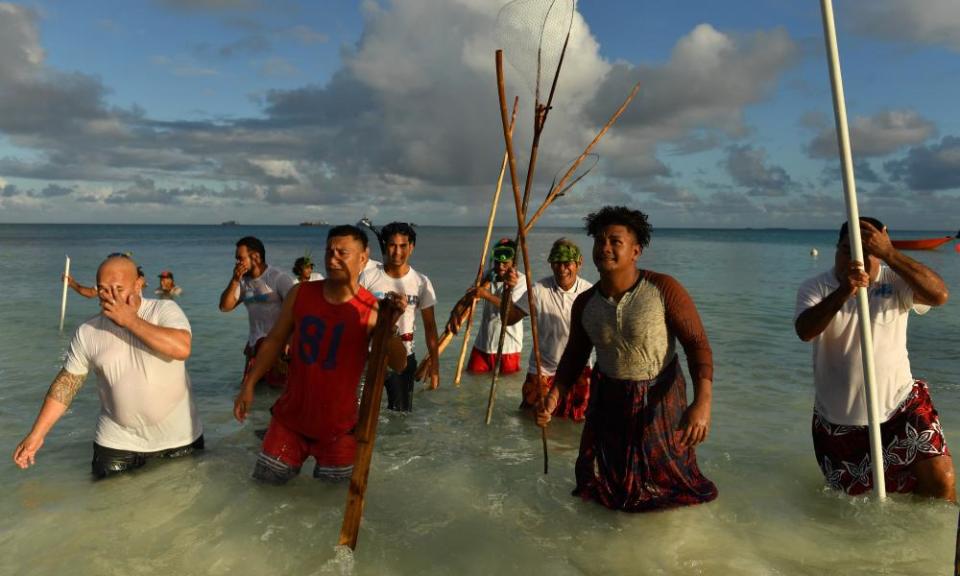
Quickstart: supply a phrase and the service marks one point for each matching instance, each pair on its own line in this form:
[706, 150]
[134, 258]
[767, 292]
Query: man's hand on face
[875, 242]
[120, 308]
[239, 270]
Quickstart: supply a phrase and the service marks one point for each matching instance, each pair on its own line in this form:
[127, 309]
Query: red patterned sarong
[630, 456]
[912, 434]
[572, 405]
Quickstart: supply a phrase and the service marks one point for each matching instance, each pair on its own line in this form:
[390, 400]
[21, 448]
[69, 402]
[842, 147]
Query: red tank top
[327, 354]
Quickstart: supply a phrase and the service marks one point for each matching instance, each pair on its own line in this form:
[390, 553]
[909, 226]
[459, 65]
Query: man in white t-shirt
[261, 288]
[137, 347]
[916, 458]
[483, 357]
[396, 275]
[553, 297]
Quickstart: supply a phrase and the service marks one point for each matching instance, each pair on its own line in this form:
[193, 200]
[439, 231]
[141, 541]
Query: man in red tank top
[330, 322]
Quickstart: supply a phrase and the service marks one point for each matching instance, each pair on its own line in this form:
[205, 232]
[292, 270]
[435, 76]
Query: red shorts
[292, 448]
[276, 377]
[481, 362]
[572, 405]
[912, 434]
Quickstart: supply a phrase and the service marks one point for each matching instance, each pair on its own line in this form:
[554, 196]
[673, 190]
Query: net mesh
[532, 34]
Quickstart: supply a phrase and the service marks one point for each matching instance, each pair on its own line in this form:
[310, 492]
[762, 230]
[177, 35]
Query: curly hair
[635, 220]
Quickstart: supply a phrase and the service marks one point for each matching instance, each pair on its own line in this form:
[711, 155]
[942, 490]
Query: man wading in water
[637, 446]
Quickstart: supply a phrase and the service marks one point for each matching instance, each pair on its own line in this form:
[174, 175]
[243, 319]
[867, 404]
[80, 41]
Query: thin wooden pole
[856, 249]
[483, 254]
[66, 285]
[366, 430]
[559, 186]
[521, 233]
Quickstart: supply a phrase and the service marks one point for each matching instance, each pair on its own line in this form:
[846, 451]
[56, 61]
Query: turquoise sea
[447, 494]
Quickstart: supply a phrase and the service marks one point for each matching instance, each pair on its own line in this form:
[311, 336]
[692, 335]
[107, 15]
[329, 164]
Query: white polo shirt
[145, 399]
[837, 363]
[554, 306]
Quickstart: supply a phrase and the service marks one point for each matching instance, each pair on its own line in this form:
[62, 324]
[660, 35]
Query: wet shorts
[399, 386]
[284, 451]
[109, 461]
[481, 362]
[912, 434]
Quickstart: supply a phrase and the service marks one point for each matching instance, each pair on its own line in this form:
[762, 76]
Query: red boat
[923, 243]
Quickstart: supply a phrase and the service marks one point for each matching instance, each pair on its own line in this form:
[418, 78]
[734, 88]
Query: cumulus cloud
[877, 135]
[410, 119]
[933, 167]
[749, 168]
[931, 22]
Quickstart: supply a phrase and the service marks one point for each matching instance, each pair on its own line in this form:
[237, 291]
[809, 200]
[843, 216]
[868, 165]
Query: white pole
[856, 250]
[66, 285]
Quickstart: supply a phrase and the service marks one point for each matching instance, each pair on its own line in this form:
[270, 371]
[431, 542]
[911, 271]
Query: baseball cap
[166, 274]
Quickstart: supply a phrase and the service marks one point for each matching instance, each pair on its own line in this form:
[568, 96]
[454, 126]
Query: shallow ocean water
[448, 494]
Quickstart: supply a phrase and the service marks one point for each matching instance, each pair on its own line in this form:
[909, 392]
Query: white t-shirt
[554, 306]
[489, 334]
[314, 276]
[145, 399]
[837, 363]
[263, 297]
[417, 289]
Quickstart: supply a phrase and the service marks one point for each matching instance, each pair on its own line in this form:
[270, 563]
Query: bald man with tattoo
[137, 347]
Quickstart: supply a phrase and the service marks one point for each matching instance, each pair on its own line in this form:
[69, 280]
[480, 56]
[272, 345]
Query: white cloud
[877, 135]
[930, 22]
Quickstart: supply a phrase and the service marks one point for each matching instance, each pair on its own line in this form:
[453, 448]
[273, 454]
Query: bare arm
[59, 396]
[814, 320]
[430, 334]
[85, 291]
[170, 342]
[396, 351]
[928, 287]
[228, 298]
[267, 355]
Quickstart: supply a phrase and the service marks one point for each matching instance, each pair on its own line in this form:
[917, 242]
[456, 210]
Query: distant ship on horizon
[229, 223]
[315, 223]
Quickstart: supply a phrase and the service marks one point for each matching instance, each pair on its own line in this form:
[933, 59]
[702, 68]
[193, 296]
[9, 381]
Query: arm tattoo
[65, 386]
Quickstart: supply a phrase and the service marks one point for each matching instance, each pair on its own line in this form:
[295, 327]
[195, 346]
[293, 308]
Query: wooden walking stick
[366, 430]
[483, 253]
[522, 237]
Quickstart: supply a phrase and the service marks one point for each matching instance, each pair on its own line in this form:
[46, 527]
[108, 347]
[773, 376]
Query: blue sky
[200, 111]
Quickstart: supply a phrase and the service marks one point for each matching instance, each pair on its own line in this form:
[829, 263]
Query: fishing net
[532, 34]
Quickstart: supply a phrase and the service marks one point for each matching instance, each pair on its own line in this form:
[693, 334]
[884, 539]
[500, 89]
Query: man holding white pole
[63, 299]
[915, 454]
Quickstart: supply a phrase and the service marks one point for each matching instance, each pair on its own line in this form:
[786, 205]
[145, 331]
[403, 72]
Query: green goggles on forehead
[564, 253]
[503, 254]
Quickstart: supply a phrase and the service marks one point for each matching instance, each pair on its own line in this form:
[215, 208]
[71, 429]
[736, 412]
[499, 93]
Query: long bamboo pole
[521, 233]
[66, 285]
[366, 430]
[856, 249]
[483, 253]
